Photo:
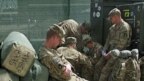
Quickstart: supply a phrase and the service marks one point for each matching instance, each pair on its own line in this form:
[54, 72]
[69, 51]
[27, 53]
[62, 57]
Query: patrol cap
[71, 40]
[114, 11]
[70, 25]
[86, 40]
[59, 31]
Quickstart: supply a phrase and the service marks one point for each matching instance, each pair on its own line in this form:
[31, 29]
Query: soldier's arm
[107, 43]
[57, 65]
[83, 59]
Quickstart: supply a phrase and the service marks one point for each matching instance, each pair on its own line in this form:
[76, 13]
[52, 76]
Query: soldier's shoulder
[126, 26]
[98, 45]
[112, 27]
[61, 48]
[73, 50]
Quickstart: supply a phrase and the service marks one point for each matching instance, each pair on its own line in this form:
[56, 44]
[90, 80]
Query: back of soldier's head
[86, 26]
[70, 26]
[70, 40]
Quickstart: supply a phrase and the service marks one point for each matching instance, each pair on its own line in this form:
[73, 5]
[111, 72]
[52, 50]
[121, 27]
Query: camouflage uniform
[98, 68]
[55, 61]
[106, 70]
[75, 58]
[119, 34]
[71, 27]
[141, 61]
[94, 53]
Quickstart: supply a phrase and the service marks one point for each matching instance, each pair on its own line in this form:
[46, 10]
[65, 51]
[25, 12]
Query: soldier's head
[55, 36]
[71, 42]
[115, 16]
[88, 42]
[85, 28]
[70, 27]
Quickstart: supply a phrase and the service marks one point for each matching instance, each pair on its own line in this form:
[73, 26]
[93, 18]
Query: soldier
[94, 51]
[75, 57]
[73, 29]
[119, 33]
[58, 67]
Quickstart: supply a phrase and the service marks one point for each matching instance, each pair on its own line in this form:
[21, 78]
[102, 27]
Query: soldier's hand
[85, 49]
[67, 70]
[103, 52]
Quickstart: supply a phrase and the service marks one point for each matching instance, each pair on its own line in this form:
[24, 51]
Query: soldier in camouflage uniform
[94, 55]
[70, 27]
[119, 33]
[75, 57]
[73, 29]
[58, 67]
[94, 51]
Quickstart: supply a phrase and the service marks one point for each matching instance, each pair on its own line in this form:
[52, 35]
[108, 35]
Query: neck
[71, 46]
[48, 44]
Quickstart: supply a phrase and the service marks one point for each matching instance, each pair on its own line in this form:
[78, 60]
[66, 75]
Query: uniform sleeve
[125, 37]
[54, 63]
[107, 42]
[84, 60]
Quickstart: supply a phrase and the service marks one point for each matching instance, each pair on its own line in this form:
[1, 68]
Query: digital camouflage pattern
[79, 61]
[118, 71]
[98, 68]
[119, 36]
[132, 70]
[107, 69]
[126, 67]
[55, 61]
[94, 56]
[95, 53]
[70, 26]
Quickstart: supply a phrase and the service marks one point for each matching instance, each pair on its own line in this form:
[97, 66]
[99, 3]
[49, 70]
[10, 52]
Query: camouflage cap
[87, 39]
[70, 25]
[114, 11]
[71, 40]
[59, 31]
